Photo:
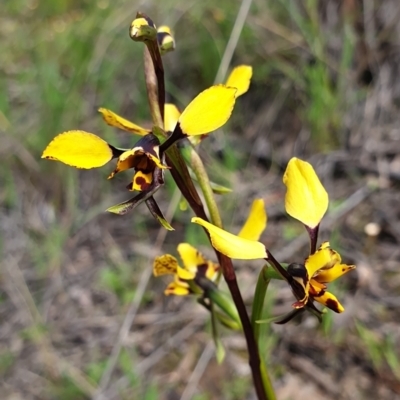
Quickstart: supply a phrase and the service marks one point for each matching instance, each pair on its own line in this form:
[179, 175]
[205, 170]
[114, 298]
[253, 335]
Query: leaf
[157, 214]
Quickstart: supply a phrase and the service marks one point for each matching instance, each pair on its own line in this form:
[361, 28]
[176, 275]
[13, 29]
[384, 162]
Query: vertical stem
[254, 356]
[152, 86]
[313, 233]
[154, 74]
[204, 182]
[258, 301]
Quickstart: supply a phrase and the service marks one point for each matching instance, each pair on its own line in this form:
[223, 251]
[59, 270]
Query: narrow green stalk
[221, 300]
[204, 182]
[256, 313]
[258, 300]
[267, 381]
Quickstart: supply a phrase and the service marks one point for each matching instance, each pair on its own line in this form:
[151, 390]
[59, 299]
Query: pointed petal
[289, 316]
[231, 245]
[329, 275]
[190, 256]
[211, 272]
[322, 259]
[113, 119]
[126, 206]
[165, 265]
[240, 79]
[125, 161]
[256, 221]
[177, 288]
[330, 301]
[171, 116]
[185, 274]
[79, 149]
[208, 111]
[157, 214]
[306, 199]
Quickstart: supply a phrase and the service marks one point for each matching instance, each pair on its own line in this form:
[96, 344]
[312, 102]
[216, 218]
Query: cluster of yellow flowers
[306, 199]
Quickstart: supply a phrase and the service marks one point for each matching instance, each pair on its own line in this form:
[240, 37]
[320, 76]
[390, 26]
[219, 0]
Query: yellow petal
[185, 275]
[329, 275]
[190, 256]
[165, 265]
[208, 111]
[125, 161]
[256, 221]
[171, 116]
[79, 149]
[115, 120]
[139, 159]
[330, 301]
[141, 181]
[231, 245]
[306, 199]
[177, 288]
[240, 79]
[322, 259]
[211, 272]
[142, 28]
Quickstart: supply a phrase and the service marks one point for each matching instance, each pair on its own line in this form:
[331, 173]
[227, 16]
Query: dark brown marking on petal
[115, 152]
[333, 305]
[202, 270]
[140, 181]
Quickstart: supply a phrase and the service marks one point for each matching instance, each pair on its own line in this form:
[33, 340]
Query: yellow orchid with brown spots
[207, 112]
[186, 278]
[195, 266]
[306, 200]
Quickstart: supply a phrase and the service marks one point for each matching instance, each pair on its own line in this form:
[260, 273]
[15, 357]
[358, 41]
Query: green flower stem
[263, 281]
[220, 350]
[258, 300]
[267, 381]
[204, 182]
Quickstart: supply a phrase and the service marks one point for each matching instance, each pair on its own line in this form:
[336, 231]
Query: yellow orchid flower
[307, 201]
[194, 263]
[244, 246]
[207, 112]
[194, 267]
[320, 268]
[239, 79]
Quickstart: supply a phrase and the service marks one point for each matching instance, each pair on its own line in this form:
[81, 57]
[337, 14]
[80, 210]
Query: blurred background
[81, 316]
